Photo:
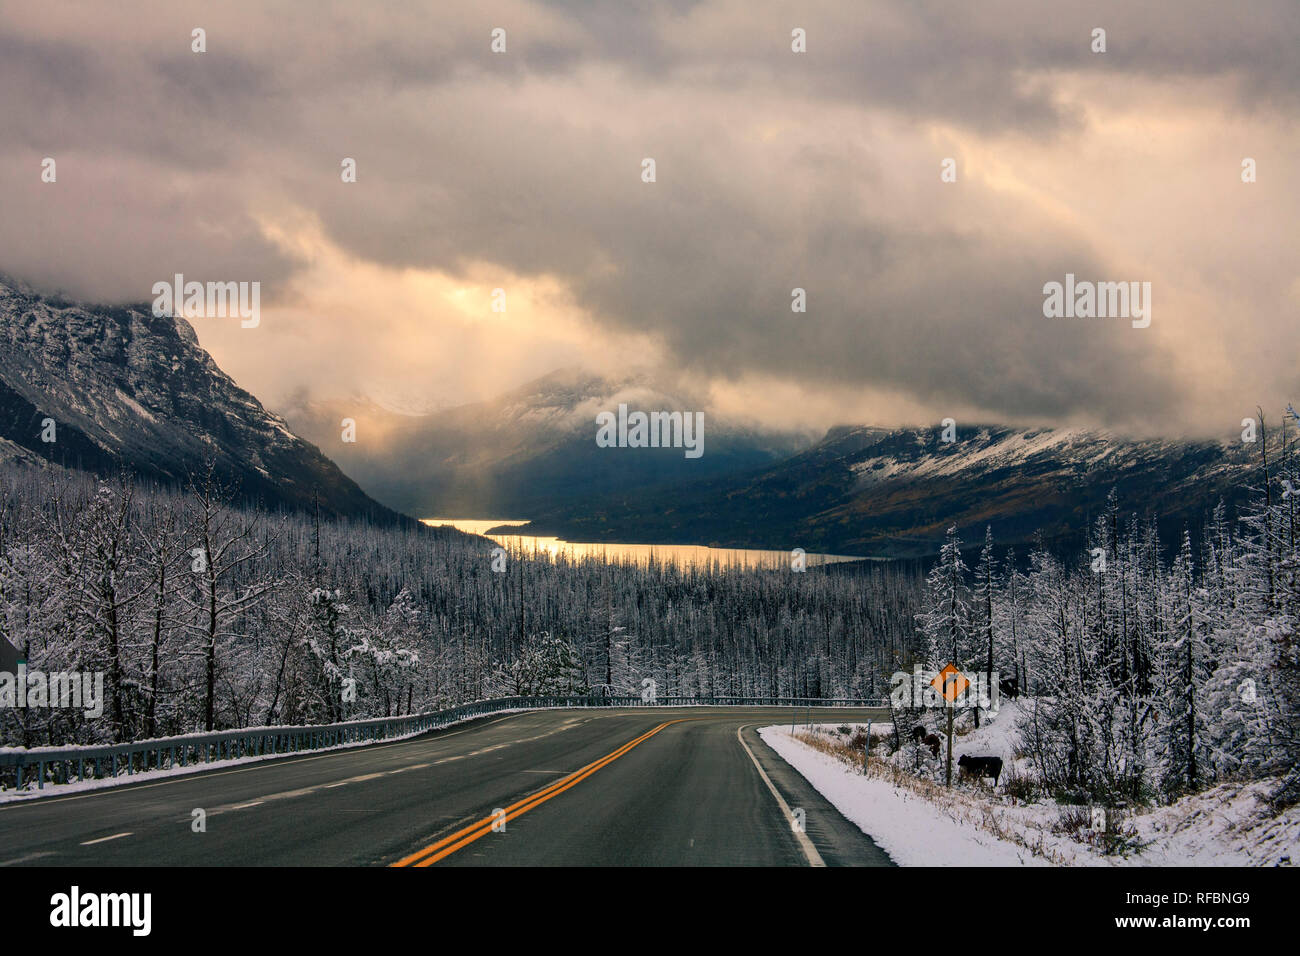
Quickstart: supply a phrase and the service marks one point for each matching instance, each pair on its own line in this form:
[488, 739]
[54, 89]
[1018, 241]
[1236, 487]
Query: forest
[203, 614]
[1151, 668]
[1150, 671]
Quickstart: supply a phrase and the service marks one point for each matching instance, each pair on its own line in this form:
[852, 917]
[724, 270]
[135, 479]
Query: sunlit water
[681, 554]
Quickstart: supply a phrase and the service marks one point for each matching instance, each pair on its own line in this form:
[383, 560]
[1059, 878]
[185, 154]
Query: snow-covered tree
[945, 620]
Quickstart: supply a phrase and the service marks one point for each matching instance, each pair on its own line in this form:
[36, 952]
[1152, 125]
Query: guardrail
[63, 765]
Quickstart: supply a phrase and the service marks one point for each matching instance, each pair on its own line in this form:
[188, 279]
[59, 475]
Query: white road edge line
[106, 839]
[805, 844]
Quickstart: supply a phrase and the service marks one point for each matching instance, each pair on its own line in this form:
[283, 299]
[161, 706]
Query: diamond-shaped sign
[950, 682]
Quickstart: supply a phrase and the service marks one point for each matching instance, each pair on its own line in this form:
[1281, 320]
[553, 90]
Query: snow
[912, 830]
[123, 779]
[1229, 825]
[996, 735]
[1067, 449]
[135, 406]
[921, 824]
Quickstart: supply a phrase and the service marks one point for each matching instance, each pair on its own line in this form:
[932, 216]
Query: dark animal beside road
[932, 741]
[981, 767]
[918, 734]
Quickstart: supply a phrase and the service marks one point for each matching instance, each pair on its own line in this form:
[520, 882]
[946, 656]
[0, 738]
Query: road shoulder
[838, 841]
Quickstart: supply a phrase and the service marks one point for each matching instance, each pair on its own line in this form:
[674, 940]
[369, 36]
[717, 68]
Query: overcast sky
[821, 170]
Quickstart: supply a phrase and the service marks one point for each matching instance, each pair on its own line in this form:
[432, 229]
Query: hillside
[128, 389]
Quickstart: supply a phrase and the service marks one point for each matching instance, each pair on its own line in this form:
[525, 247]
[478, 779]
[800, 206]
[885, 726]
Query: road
[635, 787]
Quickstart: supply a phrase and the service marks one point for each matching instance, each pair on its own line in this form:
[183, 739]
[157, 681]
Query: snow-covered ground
[919, 822]
[912, 829]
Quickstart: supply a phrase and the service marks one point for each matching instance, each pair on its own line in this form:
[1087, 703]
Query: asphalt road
[636, 787]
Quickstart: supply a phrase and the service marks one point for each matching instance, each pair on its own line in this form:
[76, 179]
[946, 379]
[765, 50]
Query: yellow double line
[466, 835]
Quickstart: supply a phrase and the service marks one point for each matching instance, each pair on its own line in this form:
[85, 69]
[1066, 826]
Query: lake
[682, 554]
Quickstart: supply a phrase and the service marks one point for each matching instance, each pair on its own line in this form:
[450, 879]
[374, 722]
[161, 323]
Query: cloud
[775, 170]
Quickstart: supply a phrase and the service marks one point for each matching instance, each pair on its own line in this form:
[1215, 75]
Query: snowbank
[911, 829]
[920, 823]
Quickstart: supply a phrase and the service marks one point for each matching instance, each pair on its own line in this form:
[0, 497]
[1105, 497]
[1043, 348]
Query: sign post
[951, 683]
[866, 749]
[950, 709]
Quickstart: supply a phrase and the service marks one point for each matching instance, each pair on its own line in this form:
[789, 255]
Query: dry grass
[963, 807]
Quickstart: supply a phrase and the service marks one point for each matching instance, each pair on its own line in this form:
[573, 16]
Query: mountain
[532, 448]
[893, 492]
[128, 389]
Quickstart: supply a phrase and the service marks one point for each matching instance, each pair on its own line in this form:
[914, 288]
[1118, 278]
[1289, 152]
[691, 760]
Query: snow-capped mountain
[532, 448]
[126, 388]
[893, 492]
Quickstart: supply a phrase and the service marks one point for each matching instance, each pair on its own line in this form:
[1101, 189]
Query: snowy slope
[893, 492]
[130, 389]
[921, 823]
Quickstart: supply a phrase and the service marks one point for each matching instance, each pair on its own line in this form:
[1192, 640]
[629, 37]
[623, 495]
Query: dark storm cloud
[774, 171]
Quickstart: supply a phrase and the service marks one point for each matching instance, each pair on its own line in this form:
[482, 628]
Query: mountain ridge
[861, 489]
[880, 492]
[527, 449]
[128, 389]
